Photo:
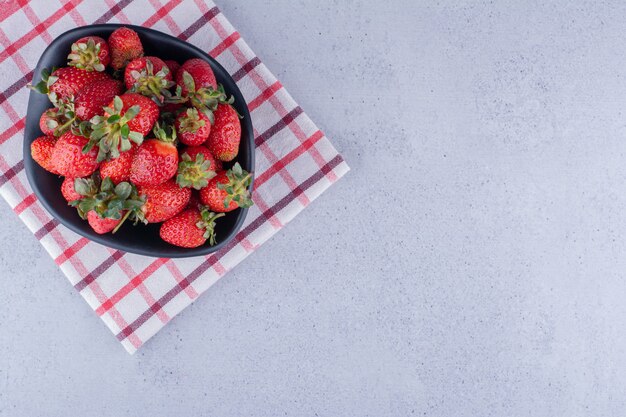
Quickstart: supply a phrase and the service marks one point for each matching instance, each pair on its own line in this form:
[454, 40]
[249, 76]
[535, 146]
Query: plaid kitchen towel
[135, 295]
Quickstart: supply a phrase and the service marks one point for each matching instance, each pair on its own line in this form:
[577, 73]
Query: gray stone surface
[471, 264]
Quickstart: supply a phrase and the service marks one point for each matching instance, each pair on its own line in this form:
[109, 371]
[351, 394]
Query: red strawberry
[223, 141]
[191, 228]
[228, 190]
[90, 100]
[68, 190]
[41, 150]
[47, 122]
[54, 122]
[125, 46]
[119, 169]
[150, 77]
[101, 225]
[68, 158]
[156, 160]
[201, 73]
[105, 204]
[192, 127]
[194, 151]
[163, 201]
[172, 65]
[129, 117]
[68, 81]
[148, 114]
[89, 53]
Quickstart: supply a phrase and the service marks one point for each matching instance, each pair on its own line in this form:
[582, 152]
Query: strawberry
[193, 152]
[125, 46]
[128, 117]
[107, 202]
[201, 73]
[228, 190]
[90, 100]
[195, 90]
[68, 158]
[156, 160]
[194, 173]
[90, 53]
[148, 115]
[163, 201]
[150, 77]
[41, 150]
[172, 65]
[55, 121]
[64, 83]
[69, 191]
[223, 141]
[191, 228]
[192, 127]
[119, 169]
[102, 225]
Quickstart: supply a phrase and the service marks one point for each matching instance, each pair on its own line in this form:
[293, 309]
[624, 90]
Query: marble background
[471, 263]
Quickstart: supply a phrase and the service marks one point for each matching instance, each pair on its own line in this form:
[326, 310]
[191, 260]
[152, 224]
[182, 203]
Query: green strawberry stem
[126, 216]
[208, 224]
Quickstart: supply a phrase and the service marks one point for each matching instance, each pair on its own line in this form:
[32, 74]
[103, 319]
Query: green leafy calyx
[111, 132]
[84, 55]
[152, 85]
[237, 187]
[194, 173]
[208, 224]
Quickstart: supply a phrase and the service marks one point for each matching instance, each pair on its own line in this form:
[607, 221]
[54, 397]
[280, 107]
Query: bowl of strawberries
[139, 141]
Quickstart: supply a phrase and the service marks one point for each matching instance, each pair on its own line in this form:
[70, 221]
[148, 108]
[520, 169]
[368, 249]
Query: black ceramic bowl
[140, 239]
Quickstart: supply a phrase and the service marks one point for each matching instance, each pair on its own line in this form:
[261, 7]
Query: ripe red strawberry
[68, 158]
[228, 190]
[156, 160]
[89, 53]
[125, 46]
[47, 122]
[191, 228]
[194, 151]
[106, 201]
[128, 117]
[41, 150]
[172, 65]
[148, 114]
[66, 82]
[201, 73]
[192, 127]
[163, 201]
[150, 77]
[119, 169]
[223, 141]
[68, 190]
[90, 100]
[101, 225]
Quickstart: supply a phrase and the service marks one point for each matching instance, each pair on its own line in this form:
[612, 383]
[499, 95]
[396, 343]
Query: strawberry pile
[142, 139]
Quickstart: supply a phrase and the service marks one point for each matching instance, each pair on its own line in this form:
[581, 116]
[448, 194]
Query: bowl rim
[105, 239]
